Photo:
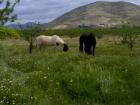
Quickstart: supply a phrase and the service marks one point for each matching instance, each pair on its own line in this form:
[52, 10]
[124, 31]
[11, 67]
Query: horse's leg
[81, 45]
[40, 46]
[93, 48]
[56, 47]
[88, 49]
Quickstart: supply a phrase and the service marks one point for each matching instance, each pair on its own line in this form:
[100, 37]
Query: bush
[8, 33]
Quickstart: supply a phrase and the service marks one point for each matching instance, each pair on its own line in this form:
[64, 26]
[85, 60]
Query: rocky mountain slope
[99, 14]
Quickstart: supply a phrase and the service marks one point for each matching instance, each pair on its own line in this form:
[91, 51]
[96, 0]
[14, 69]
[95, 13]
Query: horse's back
[42, 39]
[88, 38]
[49, 40]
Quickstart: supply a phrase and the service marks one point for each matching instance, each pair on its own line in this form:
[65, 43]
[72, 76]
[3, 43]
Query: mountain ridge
[99, 13]
[26, 25]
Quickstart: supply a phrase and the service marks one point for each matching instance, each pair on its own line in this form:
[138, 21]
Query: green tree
[6, 13]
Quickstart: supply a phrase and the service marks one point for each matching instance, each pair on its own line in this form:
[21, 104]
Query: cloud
[47, 10]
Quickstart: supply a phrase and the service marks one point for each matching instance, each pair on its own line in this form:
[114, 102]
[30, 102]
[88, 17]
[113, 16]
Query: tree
[7, 10]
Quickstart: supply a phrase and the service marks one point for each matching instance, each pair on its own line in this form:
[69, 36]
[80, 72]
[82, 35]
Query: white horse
[53, 40]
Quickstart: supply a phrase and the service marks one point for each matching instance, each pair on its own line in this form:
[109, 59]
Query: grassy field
[53, 77]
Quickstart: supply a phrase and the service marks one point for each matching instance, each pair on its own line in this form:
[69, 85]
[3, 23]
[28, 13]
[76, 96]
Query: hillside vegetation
[53, 77]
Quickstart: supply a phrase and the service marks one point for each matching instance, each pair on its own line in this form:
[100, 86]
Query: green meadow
[54, 77]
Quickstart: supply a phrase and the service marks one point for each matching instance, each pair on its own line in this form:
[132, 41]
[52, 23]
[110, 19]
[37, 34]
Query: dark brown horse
[87, 42]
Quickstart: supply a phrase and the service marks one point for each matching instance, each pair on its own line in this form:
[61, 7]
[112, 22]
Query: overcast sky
[46, 10]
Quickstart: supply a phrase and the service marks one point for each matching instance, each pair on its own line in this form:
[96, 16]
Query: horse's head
[65, 48]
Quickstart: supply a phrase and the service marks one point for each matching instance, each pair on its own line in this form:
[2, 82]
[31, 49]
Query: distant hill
[99, 14]
[26, 25]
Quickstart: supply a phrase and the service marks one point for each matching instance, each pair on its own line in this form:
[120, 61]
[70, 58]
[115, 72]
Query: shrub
[8, 33]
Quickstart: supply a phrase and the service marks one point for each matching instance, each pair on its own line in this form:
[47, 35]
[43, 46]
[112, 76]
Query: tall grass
[53, 77]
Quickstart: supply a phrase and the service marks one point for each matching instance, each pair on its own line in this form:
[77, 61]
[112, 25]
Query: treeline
[29, 32]
[99, 32]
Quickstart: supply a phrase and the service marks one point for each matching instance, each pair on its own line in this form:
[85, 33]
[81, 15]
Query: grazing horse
[89, 42]
[54, 40]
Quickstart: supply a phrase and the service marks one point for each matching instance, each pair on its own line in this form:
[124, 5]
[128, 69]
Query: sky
[45, 11]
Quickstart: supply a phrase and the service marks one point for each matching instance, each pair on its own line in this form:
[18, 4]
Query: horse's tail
[66, 47]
